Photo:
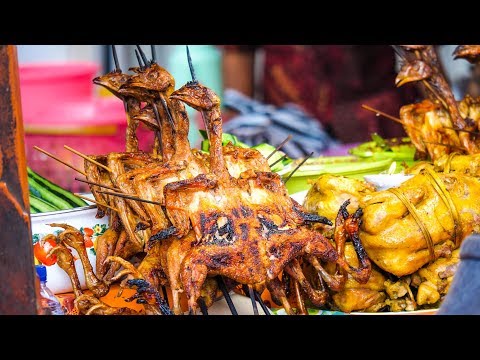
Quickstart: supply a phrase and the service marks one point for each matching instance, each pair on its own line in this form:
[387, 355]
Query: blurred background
[314, 92]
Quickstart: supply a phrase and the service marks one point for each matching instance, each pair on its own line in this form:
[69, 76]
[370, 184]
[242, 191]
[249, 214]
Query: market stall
[173, 229]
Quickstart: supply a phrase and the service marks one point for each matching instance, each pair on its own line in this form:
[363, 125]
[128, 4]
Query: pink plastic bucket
[59, 108]
[46, 85]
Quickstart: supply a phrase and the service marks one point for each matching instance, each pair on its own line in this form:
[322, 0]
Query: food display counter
[232, 228]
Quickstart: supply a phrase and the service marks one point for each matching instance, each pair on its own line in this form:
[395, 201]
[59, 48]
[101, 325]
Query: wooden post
[17, 272]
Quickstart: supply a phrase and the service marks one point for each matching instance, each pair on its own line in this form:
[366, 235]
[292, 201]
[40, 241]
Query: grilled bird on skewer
[113, 81]
[247, 229]
[438, 125]
[471, 53]
[226, 213]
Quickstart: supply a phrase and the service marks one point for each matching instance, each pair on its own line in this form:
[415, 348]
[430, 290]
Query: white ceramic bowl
[82, 218]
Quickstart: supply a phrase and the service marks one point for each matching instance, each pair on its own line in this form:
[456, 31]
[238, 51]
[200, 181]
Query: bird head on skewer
[197, 96]
[154, 78]
[415, 70]
[471, 53]
[114, 79]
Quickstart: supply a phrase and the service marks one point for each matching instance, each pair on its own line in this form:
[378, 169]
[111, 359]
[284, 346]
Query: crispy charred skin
[74, 238]
[105, 247]
[124, 166]
[146, 293]
[149, 184]
[132, 212]
[352, 226]
[153, 78]
[251, 239]
[153, 266]
[238, 160]
[471, 53]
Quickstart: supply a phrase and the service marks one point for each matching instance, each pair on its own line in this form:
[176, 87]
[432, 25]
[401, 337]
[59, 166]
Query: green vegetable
[226, 138]
[341, 165]
[33, 210]
[58, 196]
[266, 149]
[48, 196]
[399, 149]
[40, 205]
[350, 166]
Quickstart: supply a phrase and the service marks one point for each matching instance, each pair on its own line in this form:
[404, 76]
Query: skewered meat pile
[194, 218]
[439, 124]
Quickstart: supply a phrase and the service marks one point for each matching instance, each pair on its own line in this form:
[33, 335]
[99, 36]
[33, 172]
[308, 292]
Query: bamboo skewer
[252, 297]
[154, 54]
[95, 201]
[289, 137]
[86, 158]
[167, 110]
[115, 59]
[393, 118]
[378, 112]
[142, 54]
[130, 197]
[262, 304]
[226, 295]
[194, 82]
[203, 306]
[97, 184]
[277, 161]
[139, 60]
[298, 167]
[190, 65]
[60, 161]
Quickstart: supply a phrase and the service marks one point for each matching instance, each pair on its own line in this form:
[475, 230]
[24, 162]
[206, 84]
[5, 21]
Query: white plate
[299, 196]
[385, 181]
[242, 304]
